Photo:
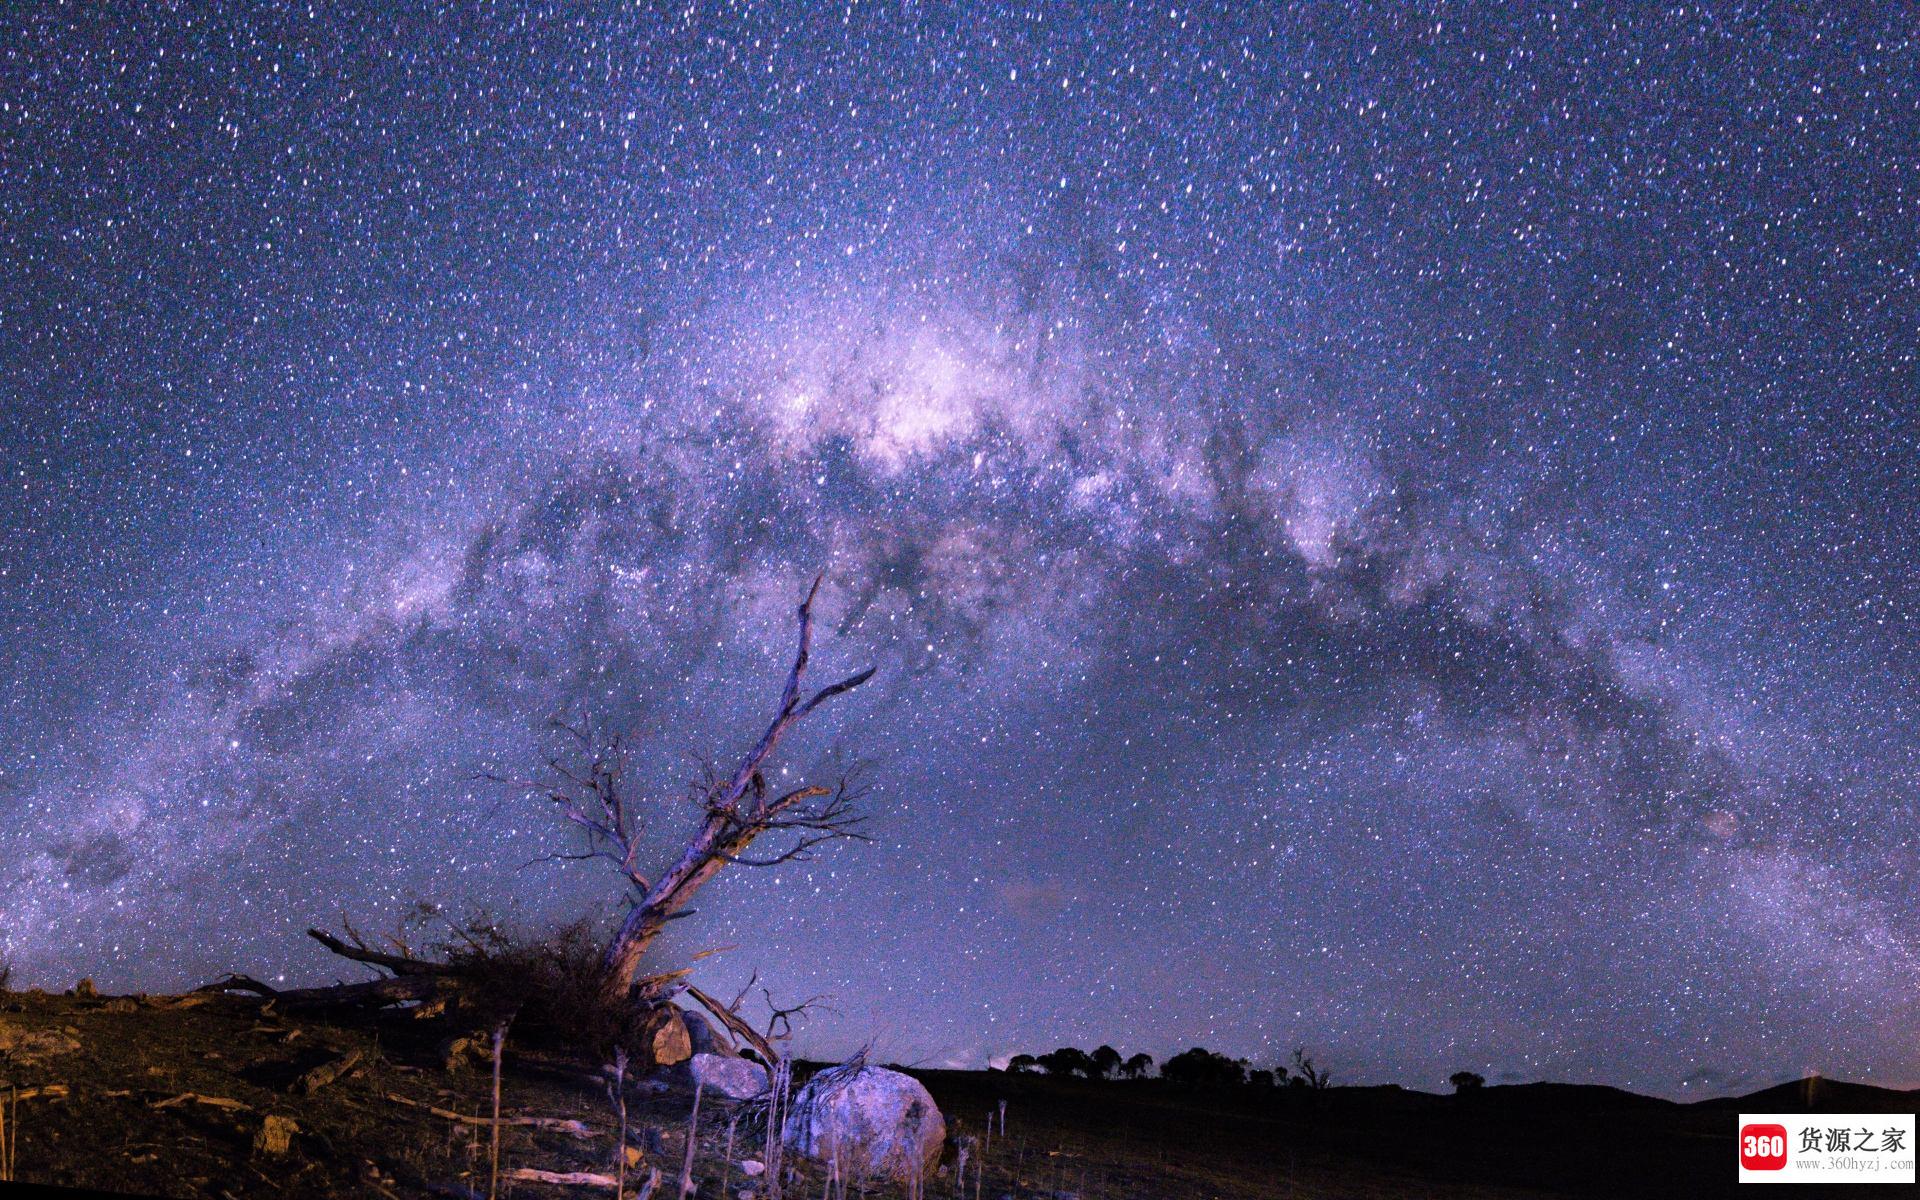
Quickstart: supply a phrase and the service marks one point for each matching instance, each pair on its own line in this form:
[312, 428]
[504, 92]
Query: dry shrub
[548, 983]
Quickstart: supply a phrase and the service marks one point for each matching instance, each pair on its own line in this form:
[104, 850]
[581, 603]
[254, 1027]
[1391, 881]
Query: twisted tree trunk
[738, 812]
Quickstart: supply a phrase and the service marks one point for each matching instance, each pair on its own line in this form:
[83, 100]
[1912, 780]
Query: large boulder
[728, 1077]
[870, 1122]
[663, 1037]
[700, 1034]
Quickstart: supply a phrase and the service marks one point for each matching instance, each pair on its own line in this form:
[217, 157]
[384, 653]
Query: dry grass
[9, 1132]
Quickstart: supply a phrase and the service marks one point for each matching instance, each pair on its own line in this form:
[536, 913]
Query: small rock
[458, 1052]
[648, 1140]
[731, 1078]
[120, 1004]
[275, 1135]
[752, 1167]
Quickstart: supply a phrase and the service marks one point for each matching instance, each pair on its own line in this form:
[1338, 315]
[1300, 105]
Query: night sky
[1391, 531]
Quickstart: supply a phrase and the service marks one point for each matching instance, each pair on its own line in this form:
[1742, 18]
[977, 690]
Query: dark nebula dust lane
[1383, 530]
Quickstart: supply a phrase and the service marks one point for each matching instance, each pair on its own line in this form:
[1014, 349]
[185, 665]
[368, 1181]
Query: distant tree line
[1103, 1063]
[1197, 1068]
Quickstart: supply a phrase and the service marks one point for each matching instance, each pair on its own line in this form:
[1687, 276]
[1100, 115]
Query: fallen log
[570, 1178]
[566, 1125]
[326, 1073]
[411, 980]
[226, 1102]
[583, 1179]
[377, 993]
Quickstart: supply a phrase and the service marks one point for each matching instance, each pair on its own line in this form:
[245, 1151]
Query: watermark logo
[1826, 1148]
[1763, 1147]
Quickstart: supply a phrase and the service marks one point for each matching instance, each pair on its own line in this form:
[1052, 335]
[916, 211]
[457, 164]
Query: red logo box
[1763, 1147]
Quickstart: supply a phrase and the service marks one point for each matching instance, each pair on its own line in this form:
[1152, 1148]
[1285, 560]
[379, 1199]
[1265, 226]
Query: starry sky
[1387, 529]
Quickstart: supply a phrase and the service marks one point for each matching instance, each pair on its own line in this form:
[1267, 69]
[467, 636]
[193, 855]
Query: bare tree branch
[780, 1022]
[735, 1024]
[398, 964]
[738, 811]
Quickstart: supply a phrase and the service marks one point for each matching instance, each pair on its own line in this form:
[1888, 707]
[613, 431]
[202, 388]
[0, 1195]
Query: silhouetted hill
[1814, 1094]
[1558, 1097]
[1512, 1140]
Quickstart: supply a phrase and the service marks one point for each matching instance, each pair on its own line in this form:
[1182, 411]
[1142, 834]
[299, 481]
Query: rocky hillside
[203, 1095]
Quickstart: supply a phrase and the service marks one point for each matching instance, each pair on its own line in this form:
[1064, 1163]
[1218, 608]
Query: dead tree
[736, 811]
[588, 787]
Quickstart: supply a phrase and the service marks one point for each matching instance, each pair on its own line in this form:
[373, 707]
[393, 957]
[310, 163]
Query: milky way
[1382, 531]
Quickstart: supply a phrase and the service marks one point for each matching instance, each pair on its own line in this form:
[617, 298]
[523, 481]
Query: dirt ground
[191, 1096]
[171, 1096]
